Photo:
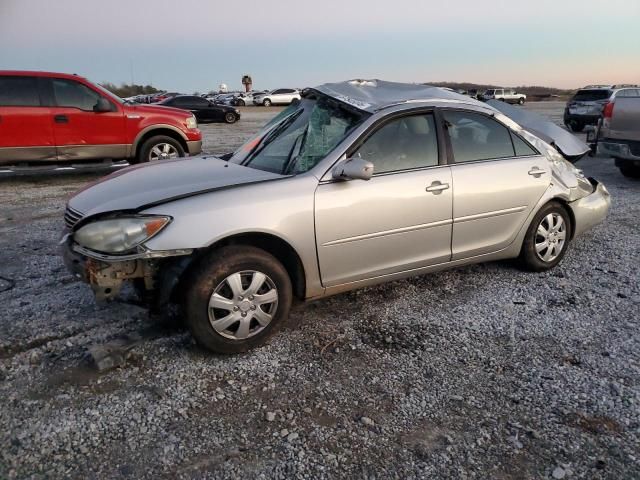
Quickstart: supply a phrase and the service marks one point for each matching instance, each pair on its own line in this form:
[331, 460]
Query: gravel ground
[479, 372]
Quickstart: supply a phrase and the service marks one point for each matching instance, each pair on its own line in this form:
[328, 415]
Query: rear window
[19, 92]
[591, 95]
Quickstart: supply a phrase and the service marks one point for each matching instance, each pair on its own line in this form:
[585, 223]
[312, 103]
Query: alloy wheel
[550, 237]
[162, 151]
[243, 304]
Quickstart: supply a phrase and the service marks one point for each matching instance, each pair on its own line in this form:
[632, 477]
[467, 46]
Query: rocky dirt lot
[480, 372]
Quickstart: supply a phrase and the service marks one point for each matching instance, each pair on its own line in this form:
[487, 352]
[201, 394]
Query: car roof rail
[598, 86]
[625, 85]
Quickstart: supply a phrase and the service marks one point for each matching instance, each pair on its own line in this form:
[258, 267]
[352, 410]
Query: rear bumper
[592, 209]
[584, 119]
[194, 147]
[620, 151]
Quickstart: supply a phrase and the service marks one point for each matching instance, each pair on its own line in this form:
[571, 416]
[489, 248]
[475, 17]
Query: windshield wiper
[292, 159]
[270, 137]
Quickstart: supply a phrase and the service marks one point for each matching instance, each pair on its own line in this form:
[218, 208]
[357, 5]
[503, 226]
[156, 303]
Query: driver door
[79, 132]
[400, 219]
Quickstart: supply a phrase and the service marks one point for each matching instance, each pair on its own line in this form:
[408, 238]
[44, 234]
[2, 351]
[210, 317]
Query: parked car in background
[280, 96]
[57, 117]
[224, 99]
[359, 183]
[204, 110]
[618, 132]
[244, 98]
[158, 97]
[587, 105]
[507, 95]
[473, 93]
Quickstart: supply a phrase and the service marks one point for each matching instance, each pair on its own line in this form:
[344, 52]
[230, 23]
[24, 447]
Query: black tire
[521, 101]
[230, 117]
[266, 102]
[241, 103]
[529, 258]
[210, 273]
[145, 150]
[630, 172]
[575, 125]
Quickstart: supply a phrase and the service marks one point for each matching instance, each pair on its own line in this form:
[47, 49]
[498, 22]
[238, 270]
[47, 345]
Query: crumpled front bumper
[105, 278]
[591, 210]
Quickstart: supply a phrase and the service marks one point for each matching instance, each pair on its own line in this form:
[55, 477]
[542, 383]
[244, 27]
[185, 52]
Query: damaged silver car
[360, 182]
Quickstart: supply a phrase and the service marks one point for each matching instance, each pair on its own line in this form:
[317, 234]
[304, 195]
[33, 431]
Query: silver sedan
[360, 182]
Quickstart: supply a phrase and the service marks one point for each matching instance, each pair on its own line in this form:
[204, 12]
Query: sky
[190, 45]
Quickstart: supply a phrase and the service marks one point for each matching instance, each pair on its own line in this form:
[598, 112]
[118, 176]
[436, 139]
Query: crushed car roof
[373, 95]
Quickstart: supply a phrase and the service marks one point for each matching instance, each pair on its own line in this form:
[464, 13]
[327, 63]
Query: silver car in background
[618, 132]
[361, 182]
[280, 96]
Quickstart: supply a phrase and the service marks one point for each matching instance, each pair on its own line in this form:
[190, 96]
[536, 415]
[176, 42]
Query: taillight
[608, 110]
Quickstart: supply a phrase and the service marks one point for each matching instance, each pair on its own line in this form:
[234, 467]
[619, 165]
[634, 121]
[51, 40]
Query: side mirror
[352, 168]
[103, 105]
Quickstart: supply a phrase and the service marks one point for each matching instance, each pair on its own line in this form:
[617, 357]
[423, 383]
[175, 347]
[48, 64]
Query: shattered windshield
[299, 136]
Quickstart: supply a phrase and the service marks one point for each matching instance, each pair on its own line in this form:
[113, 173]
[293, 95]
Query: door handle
[61, 119]
[437, 187]
[536, 172]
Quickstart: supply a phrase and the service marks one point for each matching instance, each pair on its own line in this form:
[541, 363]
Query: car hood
[142, 186]
[569, 146]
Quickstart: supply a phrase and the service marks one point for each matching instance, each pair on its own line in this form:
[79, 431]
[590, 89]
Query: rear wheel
[547, 238]
[521, 100]
[159, 147]
[236, 299]
[241, 103]
[230, 117]
[575, 125]
[266, 102]
[631, 172]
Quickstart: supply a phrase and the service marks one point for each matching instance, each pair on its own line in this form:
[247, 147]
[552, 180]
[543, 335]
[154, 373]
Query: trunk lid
[569, 146]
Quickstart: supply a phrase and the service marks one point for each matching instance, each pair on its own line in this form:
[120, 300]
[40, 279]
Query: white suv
[280, 96]
[508, 95]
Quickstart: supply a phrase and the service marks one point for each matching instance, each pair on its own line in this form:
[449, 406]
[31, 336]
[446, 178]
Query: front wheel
[266, 102]
[230, 117]
[160, 147]
[241, 103]
[236, 299]
[521, 101]
[547, 238]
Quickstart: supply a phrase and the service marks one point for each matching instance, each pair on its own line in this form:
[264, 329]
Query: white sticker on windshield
[353, 102]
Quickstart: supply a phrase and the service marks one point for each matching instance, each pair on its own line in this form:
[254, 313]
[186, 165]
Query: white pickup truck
[508, 95]
[618, 132]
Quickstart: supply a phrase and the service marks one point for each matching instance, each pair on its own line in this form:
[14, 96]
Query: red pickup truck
[55, 117]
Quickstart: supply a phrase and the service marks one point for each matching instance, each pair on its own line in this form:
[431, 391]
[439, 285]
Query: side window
[200, 102]
[522, 148]
[402, 144]
[19, 92]
[69, 93]
[477, 137]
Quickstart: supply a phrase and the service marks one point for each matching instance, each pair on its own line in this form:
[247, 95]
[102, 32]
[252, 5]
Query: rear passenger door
[26, 133]
[498, 179]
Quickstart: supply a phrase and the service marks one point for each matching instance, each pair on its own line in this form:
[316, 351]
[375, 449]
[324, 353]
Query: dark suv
[586, 106]
[57, 117]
